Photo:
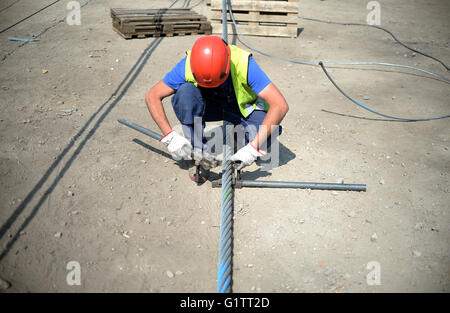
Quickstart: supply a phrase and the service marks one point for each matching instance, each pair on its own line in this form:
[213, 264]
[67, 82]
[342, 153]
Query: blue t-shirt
[257, 79]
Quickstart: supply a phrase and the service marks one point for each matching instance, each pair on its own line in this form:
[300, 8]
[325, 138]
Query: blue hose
[321, 64]
[375, 112]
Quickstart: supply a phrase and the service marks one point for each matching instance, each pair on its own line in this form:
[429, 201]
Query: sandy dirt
[78, 186]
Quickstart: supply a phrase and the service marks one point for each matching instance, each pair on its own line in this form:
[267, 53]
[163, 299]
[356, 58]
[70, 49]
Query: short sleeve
[176, 77]
[257, 79]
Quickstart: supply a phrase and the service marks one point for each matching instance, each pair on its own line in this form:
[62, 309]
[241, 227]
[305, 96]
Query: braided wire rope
[224, 272]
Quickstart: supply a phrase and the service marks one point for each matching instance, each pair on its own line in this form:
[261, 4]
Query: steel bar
[297, 185]
[141, 129]
[300, 185]
[204, 162]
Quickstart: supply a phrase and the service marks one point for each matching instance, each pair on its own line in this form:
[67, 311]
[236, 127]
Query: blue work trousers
[212, 104]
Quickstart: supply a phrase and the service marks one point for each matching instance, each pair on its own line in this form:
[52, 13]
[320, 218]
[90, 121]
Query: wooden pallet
[141, 23]
[259, 18]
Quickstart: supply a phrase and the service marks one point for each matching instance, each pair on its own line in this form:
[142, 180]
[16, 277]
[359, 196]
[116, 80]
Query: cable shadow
[153, 149]
[245, 175]
[137, 68]
[386, 71]
[183, 164]
[234, 39]
[285, 156]
[367, 118]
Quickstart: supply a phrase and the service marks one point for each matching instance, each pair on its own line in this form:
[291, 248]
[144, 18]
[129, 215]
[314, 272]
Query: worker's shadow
[153, 149]
[272, 161]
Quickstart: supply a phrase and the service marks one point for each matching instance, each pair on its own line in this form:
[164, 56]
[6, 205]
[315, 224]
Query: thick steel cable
[224, 271]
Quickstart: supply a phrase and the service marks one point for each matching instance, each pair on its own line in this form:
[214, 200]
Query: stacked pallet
[258, 17]
[141, 23]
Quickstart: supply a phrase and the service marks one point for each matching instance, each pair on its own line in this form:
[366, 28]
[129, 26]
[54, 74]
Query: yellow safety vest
[245, 96]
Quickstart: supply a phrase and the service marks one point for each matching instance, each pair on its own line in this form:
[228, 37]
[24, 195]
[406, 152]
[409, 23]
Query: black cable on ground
[8, 6]
[195, 5]
[40, 34]
[383, 29]
[173, 3]
[375, 112]
[246, 43]
[40, 10]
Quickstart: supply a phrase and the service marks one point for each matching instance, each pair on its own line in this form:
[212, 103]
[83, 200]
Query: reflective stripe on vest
[246, 98]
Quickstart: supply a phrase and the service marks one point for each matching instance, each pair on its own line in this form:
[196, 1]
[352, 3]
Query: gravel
[374, 237]
[435, 228]
[4, 284]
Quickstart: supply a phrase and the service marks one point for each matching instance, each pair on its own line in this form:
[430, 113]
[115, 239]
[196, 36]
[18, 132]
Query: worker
[214, 82]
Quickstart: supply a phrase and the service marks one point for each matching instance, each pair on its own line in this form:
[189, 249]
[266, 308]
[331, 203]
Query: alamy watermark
[373, 278]
[73, 278]
[237, 137]
[74, 15]
[374, 16]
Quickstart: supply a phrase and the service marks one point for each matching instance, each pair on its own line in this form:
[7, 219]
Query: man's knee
[188, 103]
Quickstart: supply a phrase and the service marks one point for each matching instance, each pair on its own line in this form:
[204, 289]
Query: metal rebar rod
[297, 185]
[301, 185]
[141, 129]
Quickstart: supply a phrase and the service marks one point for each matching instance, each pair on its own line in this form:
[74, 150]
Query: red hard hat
[210, 61]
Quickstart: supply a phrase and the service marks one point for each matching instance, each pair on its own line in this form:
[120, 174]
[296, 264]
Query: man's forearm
[273, 118]
[278, 108]
[156, 110]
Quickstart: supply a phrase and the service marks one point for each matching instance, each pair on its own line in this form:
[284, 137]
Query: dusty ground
[128, 214]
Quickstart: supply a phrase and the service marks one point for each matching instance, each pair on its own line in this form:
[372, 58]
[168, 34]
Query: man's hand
[177, 145]
[246, 156]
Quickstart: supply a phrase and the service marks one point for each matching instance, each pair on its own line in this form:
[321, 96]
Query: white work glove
[246, 156]
[178, 146]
